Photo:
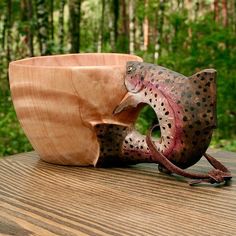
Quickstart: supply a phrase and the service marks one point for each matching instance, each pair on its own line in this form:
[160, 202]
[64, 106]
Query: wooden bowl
[58, 100]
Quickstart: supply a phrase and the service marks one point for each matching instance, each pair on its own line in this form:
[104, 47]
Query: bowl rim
[20, 62]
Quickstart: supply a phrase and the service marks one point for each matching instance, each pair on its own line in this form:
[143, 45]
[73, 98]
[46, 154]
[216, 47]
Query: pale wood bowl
[58, 100]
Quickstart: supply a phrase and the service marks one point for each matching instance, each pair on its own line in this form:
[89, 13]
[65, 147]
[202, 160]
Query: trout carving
[186, 110]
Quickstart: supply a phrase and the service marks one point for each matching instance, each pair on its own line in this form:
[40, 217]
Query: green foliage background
[210, 45]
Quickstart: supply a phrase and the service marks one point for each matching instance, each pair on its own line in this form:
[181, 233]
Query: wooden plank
[37, 198]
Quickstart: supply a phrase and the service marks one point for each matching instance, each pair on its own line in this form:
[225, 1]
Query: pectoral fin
[129, 100]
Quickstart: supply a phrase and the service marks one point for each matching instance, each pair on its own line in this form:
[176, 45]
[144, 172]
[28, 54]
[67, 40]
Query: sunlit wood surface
[37, 198]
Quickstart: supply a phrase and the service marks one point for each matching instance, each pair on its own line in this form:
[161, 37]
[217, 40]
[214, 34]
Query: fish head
[134, 76]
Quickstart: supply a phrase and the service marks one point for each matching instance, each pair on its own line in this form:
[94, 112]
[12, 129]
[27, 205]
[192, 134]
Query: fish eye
[129, 69]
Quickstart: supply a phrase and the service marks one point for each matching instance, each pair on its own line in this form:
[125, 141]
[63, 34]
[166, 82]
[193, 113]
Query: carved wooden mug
[80, 110]
[59, 100]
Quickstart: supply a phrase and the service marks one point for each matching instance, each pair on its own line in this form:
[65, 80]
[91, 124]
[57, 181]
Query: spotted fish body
[121, 146]
[186, 110]
[185, 107]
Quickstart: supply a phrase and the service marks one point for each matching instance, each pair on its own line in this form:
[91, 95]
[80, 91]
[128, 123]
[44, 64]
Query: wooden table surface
[37, 198]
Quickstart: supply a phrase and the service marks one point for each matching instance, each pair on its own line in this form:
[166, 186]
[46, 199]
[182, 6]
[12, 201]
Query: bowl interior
[77, 60]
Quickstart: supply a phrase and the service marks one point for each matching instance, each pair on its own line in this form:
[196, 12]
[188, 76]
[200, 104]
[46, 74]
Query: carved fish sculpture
[186, 110]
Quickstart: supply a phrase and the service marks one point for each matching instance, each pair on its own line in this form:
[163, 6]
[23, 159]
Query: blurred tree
[42, 26]
[61, 26]
[74, 24]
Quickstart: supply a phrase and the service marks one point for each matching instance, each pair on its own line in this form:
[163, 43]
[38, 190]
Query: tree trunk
[160, 22]
[9, 31]
[124, 37]
[61, 26]
[101, 32]
[42, 23]
[216, 11]
[131, 27]
[30, 16]
[116, 18]
[4, 29]
[111, 29]
[51, 20]
[145, 27]
[124, 18]
[225, 13]
[74, 24]
[26, 20]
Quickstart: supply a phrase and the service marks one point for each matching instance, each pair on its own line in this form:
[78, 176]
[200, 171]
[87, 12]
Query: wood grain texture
[58, 99]
[37, 198]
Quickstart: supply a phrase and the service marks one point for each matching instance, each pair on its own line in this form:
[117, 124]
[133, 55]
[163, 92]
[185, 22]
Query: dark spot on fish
[207, 122]
[157, 85]
[150, 100]
[202, 78]
[203, 99]
[131, 145]
[208, 84]
[167, 113]
[126, 141]
[194, 142]
[204, 115]
[190, 126]
[154, 105]
[195, 81]
[204, 90]
[211, 117]
[168, 137]
[200, 86]
[178, 102]
[197, 93]
[185, 118]
[163, 127]
[130, 139]
[150, 89]
[211, 105]
[160, 118]
[197, 132]
[208, 111]
[145, 93]
[211, 79]
[169, 125]
[142, 78]
[192, 108]
[162, 104]
[160, 72]
[155, 95]
[141, 147]
[198, 122]
[199, 104]
[186, 110]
